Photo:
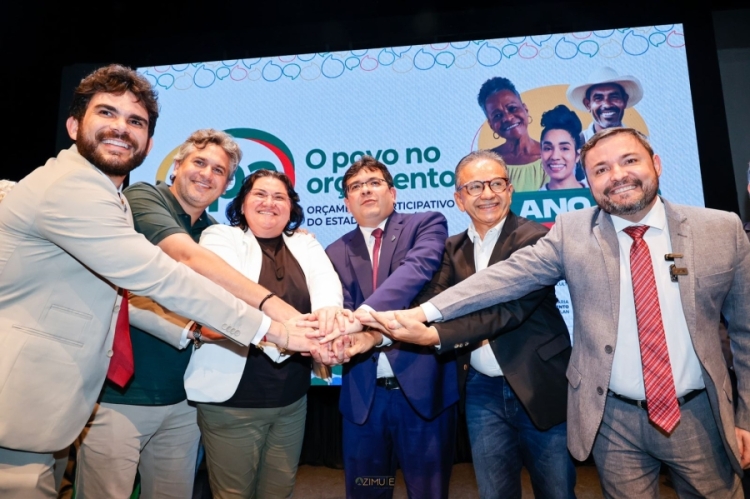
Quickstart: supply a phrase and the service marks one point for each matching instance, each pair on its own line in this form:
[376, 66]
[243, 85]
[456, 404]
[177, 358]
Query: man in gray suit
[67, 250]
[647, 380]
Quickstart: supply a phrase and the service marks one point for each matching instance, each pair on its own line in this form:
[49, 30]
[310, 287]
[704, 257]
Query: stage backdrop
[415, 109]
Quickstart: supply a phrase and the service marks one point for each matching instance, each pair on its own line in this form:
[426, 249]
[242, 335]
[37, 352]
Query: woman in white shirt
[253, 401]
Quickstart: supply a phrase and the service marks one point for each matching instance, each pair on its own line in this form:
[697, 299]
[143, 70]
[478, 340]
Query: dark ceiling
[41, 38]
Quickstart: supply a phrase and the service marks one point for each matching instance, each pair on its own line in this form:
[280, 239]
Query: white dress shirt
[384, 367]
[627, 371]
[483, 358]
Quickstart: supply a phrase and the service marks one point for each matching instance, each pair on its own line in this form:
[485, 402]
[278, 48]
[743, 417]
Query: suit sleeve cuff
[431, 312]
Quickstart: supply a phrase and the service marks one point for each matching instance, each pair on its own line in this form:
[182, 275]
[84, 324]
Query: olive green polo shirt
[159, 367]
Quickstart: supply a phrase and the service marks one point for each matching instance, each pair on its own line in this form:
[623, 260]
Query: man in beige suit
[618, 394]
[67, 244]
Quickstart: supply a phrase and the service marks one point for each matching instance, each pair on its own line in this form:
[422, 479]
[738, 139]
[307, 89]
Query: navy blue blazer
[410, 254]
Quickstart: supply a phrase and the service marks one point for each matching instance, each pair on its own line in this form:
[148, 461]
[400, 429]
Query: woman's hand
[330, 323]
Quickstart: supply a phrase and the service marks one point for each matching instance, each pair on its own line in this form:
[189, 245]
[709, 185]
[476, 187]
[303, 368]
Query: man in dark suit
[513, 385]
[398, 401]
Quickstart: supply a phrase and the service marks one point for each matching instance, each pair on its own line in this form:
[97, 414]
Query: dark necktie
[378, 235]
[661, 398]
[121, 365]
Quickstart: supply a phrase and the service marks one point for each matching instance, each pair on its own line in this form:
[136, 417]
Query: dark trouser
[395, 434]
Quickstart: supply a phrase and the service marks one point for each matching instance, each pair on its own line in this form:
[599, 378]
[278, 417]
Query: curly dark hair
[492, 86]
[115, 79]
[367, 163]
[562, 118]
[234, 209]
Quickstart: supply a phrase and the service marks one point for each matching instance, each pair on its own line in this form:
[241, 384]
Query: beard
[648, 190]
[116, 166]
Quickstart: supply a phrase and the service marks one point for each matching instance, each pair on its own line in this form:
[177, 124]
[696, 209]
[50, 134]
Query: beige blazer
[582, 248]
[66, 244]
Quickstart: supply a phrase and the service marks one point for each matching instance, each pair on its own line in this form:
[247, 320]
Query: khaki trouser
[26, 475]
[160, 442]
[252, 452]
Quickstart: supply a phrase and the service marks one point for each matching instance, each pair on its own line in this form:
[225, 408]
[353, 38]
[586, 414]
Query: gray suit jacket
[582, 248]
[66, 244]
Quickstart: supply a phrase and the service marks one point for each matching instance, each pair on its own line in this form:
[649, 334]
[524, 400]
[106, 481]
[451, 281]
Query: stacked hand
[403, 325]
[330, 323]
[338, 335]
[292, 336]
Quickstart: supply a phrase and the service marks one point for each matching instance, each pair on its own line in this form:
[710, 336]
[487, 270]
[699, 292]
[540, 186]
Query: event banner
[417, 109]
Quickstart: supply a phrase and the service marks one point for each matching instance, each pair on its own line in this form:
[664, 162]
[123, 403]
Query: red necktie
[661, 398]
[121, 365]
[378, 235]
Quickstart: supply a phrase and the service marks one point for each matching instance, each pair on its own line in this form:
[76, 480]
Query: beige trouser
[160, 442]
[26, 475]
[252, 452]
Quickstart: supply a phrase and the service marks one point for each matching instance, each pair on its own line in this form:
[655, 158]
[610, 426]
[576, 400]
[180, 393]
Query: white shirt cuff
[431, 312]
[265, 325]
[273, 353]
[386, 340]
[184, 340]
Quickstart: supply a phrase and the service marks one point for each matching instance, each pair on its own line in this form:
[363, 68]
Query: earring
[495, 136]
[531, 118]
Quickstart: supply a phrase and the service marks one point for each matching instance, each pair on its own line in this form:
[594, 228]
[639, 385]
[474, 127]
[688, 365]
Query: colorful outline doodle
[622, 42]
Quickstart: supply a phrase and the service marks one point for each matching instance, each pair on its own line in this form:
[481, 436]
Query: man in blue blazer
[398, 400]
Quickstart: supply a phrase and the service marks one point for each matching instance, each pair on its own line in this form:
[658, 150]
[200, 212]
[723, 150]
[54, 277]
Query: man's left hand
[743, 442]
[404, 328]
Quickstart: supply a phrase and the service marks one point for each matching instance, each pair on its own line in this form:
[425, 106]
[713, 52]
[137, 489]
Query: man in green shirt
[148, 426]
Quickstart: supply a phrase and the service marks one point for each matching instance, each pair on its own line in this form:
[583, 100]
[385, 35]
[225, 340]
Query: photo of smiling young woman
[508, 117]
[561, 146]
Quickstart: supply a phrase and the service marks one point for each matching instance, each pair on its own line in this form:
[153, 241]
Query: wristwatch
[196, 329]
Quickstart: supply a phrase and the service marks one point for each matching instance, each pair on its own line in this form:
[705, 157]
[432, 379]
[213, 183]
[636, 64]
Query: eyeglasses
[476, 187]
[275, 197]
[372, 183]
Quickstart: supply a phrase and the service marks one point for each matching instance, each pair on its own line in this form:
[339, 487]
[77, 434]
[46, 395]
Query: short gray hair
[477, 155]
[5, 187]
[609, 132]
[201, 138]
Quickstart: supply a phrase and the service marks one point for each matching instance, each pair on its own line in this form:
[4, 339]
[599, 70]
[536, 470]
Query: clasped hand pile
[333, 335]
[336, 335]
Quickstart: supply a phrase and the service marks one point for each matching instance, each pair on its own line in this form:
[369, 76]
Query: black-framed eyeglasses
[476, 187]
[372, 183]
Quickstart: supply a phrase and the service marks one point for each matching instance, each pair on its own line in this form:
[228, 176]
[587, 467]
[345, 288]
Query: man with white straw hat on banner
[605, 95]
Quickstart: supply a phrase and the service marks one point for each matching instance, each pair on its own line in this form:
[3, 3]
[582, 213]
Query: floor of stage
[318, 482]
